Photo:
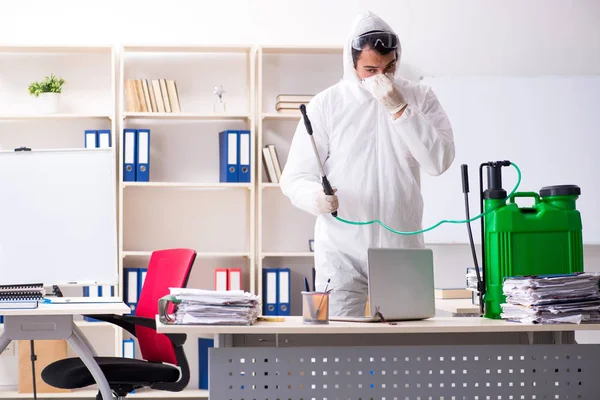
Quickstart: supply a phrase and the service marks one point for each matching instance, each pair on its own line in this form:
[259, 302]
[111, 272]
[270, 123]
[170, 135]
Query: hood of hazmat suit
[374, 161]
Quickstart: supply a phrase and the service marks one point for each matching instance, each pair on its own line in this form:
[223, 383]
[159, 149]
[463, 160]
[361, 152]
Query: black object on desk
[22, 149]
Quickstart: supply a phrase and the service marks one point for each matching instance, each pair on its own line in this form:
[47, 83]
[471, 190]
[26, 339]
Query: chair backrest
[167, 268]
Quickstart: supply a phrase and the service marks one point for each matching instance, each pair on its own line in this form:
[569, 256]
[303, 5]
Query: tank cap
[560, 190]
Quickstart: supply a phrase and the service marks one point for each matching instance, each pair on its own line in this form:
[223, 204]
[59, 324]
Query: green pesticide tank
[542, 239]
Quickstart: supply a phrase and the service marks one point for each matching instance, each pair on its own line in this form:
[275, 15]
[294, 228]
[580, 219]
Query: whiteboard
[549, 126]
[58, 221]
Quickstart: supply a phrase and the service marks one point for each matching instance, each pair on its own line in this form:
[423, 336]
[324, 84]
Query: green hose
[441, 222]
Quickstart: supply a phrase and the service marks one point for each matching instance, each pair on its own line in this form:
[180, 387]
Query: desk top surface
[70, 309]
[294, 325]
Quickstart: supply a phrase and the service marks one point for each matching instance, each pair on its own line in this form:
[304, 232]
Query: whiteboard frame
[112, 270]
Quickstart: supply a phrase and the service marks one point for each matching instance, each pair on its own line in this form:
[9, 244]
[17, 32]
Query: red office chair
[161, 353]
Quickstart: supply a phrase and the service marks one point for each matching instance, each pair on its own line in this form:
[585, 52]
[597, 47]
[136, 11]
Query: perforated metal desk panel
[441, 358]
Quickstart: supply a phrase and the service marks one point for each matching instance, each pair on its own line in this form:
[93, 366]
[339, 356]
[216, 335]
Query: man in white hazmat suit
[374, 131]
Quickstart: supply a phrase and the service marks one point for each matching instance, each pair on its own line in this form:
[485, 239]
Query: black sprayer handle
[465, 178]
[306, 120]
[328, 191]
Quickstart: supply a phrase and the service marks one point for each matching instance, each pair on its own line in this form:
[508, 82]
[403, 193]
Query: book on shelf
[152, 95]
[290, 103]
[271, 162]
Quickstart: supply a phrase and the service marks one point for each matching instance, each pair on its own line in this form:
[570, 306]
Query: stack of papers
[472, 278]
[571, 298]
[212, 307]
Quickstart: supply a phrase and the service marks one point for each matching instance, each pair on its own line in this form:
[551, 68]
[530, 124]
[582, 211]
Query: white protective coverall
[374, 162]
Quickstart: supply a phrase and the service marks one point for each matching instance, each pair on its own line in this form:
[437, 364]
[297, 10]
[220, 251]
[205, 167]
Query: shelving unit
[184, 204]
[283, 231]
[246, 225]
[88, 101]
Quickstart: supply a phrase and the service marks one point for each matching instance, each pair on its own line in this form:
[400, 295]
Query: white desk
[435, 358]
[55, 321]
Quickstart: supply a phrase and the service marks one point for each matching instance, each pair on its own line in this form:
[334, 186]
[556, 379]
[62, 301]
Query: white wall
[439, 37]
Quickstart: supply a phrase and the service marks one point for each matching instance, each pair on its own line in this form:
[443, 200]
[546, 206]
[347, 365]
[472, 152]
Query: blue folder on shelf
[90, 138]
[129, 154]
[203, 353]
[283, 291]
[103, 138]
[143, 155]
[244, 173]
[228, 156]
[270, 289]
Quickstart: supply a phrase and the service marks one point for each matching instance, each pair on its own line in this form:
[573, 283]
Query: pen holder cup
[315, 308]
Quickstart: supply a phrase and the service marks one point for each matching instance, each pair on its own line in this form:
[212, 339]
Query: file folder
[143, 155]
[128, 348]
[203, 353]
[90, 139]
[106, 291]
[283, 291]
[234, 279]
[129, 154]
[228, 156]
[244, 156]
[103, 138]
[91, 291]
[221, 281]
[141, 279]
[270, 291]
[131, 288]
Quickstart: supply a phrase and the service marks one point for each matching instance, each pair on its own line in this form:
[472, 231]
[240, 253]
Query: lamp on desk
[162, 353]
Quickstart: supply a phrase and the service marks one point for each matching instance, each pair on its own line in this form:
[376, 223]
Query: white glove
[382, 88]
[326, 204]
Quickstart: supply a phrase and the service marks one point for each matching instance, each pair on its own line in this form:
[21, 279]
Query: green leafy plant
[51, 84]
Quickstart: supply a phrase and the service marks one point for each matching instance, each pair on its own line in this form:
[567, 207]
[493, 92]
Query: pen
[306, 287]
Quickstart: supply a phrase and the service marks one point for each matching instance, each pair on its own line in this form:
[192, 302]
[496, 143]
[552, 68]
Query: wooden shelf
[143, 48]
[91, 393]
[90, 49]
[286, 116]
[292, 49]
[199, 255]
[288, 254]
[184, 115]
[54, 116]
[270, 185]
[197, 185]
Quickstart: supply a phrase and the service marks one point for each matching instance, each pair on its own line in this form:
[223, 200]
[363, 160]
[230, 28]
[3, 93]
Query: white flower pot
[49, 103]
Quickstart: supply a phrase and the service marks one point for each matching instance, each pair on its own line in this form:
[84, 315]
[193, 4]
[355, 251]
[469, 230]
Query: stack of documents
[571, 298]
[210, 307]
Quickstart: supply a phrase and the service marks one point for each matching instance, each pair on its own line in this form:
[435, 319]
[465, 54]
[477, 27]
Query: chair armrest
[128, 322]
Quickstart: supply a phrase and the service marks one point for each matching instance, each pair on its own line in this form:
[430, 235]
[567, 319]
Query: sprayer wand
[324, 181]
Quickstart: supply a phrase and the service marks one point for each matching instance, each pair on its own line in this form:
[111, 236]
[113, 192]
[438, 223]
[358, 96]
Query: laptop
[400, 284]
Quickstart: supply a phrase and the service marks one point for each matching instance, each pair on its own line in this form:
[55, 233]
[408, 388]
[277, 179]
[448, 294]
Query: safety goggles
[377, 38]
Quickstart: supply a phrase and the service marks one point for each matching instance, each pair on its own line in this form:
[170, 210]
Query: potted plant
[48, 91]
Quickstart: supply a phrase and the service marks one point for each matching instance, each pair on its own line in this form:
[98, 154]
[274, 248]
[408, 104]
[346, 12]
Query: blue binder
[94, 291]
[270, 289]
[90, 139]
[143, 155]
[130, 288]
[203, 355]
[283, 291]
[129, 154]
[103, 138]
[228, 156]
[141, 279]
[244, 156]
